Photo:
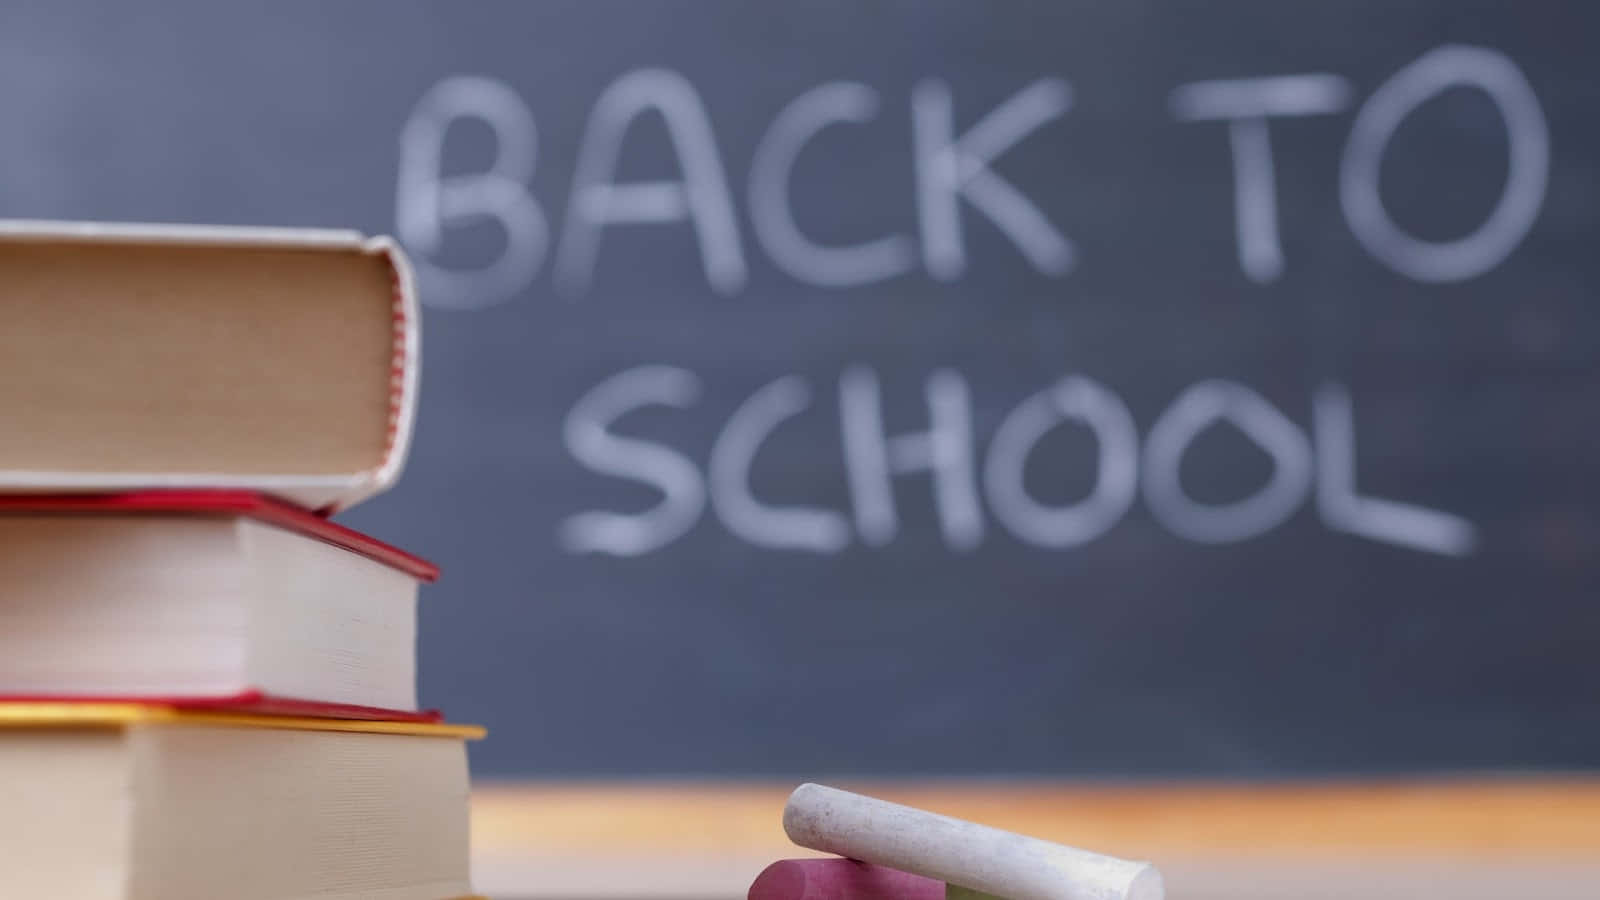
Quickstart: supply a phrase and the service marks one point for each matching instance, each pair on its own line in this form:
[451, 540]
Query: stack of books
[207, 688]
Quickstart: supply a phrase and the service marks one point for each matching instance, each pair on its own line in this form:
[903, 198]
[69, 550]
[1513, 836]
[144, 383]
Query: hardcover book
[205, 599]
[131, 802]
[278, 360]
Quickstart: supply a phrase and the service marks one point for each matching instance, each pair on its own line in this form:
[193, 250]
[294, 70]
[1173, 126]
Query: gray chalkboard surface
[936, 387]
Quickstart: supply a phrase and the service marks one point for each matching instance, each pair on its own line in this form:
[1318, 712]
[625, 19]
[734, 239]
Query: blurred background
[1163, 427]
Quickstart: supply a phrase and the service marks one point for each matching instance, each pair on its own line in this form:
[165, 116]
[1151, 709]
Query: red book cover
[252, 702]
[246, 504]
[231, 503]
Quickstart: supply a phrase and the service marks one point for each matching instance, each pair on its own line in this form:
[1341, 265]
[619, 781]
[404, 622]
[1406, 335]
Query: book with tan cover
[146, 802]
[142, 356]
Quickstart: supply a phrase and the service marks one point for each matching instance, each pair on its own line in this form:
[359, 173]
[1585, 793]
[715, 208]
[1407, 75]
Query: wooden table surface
[1506, 837]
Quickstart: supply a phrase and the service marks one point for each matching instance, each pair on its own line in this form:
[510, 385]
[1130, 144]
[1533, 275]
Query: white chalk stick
[961, 853]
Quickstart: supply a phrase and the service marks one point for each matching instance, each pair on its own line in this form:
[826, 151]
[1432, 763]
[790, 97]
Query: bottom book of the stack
[138, 802]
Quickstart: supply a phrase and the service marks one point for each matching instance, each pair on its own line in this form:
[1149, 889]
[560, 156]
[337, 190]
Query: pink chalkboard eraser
[840, 879]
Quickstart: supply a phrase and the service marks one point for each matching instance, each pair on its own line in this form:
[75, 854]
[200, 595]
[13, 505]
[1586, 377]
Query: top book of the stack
[139, 357]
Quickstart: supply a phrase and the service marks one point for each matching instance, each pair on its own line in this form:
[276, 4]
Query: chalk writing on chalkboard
[974, 489]
[1320, 465]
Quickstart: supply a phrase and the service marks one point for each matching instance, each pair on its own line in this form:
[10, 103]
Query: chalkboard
[906, 388]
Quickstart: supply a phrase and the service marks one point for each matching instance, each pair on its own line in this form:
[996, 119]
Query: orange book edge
[123, 715]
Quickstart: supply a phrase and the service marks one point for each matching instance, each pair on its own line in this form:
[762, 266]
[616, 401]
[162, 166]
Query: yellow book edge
[123, 715]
